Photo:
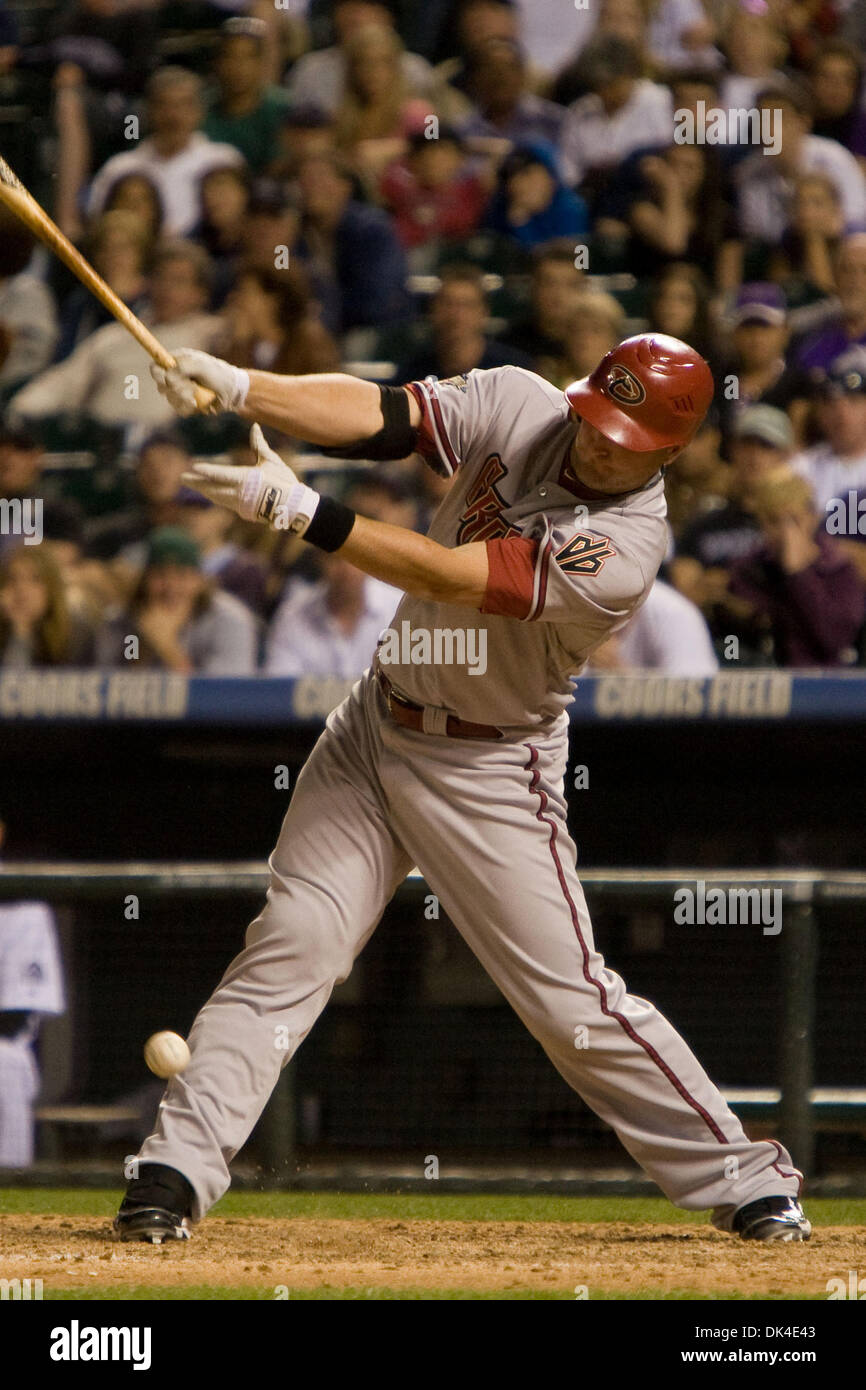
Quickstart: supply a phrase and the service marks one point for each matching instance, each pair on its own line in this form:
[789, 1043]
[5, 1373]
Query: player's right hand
[270, 492]
[229, 384]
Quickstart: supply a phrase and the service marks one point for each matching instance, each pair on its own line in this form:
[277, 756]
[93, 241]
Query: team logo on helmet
[624, 386]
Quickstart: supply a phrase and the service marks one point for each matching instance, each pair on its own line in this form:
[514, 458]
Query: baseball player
[548, 539]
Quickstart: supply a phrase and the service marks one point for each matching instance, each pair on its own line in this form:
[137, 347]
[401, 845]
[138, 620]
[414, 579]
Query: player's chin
[599, 479]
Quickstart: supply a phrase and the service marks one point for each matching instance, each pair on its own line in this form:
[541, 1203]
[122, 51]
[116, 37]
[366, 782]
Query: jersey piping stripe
[590, 979]
[439, 430]
[425, 443]
[539, 592]
[793, 1173]
[445, 446]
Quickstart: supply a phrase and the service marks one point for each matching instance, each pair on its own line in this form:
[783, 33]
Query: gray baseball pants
[485, 823]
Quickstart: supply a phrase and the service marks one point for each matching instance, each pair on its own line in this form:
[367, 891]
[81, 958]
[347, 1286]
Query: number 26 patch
[584, 554]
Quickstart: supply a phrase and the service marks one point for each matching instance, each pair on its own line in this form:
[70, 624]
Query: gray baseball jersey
[569, 565]
[485, 821]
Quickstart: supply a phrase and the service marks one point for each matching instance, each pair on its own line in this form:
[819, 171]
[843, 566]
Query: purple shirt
[814, 615]
[822, 348]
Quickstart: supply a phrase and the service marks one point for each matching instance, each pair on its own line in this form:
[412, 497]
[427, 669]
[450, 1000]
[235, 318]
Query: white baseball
[166, 1054]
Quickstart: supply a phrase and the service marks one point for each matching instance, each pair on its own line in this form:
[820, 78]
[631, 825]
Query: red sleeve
[426, 445]
[433, 442]
[511, 582]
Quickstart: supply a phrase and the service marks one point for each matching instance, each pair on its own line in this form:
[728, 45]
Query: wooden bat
[24, 205]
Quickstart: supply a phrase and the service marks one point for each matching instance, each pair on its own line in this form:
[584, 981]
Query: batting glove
[270, 492]
[229, 384]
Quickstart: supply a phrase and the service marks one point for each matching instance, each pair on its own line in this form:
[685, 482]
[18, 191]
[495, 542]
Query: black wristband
[330, 527]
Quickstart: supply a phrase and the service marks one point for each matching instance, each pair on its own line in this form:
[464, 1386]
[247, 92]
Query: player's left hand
[192, 368]
[269, 492]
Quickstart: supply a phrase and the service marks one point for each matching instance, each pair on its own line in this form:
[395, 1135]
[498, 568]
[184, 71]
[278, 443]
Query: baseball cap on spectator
[760, 302]
[766, 424]
[169, 545]
[244, 27]
[846, 376]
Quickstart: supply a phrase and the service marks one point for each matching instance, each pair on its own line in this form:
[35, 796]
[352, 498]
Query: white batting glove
[270, 492]
[229, 384]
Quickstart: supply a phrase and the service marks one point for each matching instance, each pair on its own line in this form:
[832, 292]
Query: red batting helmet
[649, 392]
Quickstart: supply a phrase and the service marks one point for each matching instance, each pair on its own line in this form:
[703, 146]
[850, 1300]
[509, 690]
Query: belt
[423, 720]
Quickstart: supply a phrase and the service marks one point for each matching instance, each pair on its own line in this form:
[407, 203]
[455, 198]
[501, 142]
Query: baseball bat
[16, 197]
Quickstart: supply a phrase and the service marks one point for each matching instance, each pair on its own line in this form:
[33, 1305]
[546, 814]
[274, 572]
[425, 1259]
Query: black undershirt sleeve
[396, 440]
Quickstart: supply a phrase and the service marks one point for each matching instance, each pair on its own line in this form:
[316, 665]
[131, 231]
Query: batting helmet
[650, 392]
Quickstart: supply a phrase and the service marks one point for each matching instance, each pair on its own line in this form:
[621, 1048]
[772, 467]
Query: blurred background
[398, 190]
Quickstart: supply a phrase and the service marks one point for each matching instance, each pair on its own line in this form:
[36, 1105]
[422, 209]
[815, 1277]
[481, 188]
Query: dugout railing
[795, 1102]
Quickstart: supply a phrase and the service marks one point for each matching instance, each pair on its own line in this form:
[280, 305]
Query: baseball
[166, 1054]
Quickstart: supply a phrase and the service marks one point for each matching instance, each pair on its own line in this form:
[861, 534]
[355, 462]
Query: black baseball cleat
[154, 1224]
[772, 1218]
[157, 1206]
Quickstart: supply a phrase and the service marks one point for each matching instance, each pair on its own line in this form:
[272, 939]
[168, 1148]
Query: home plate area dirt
[554, 1257]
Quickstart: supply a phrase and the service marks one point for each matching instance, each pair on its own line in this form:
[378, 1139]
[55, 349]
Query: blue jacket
[565, 215]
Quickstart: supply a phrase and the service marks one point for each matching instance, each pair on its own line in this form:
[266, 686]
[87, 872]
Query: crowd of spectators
[399, 190]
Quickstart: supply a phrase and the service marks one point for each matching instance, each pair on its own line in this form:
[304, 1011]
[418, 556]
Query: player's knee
[301, 924]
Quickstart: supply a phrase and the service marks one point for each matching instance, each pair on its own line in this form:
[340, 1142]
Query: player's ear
[668, 457]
